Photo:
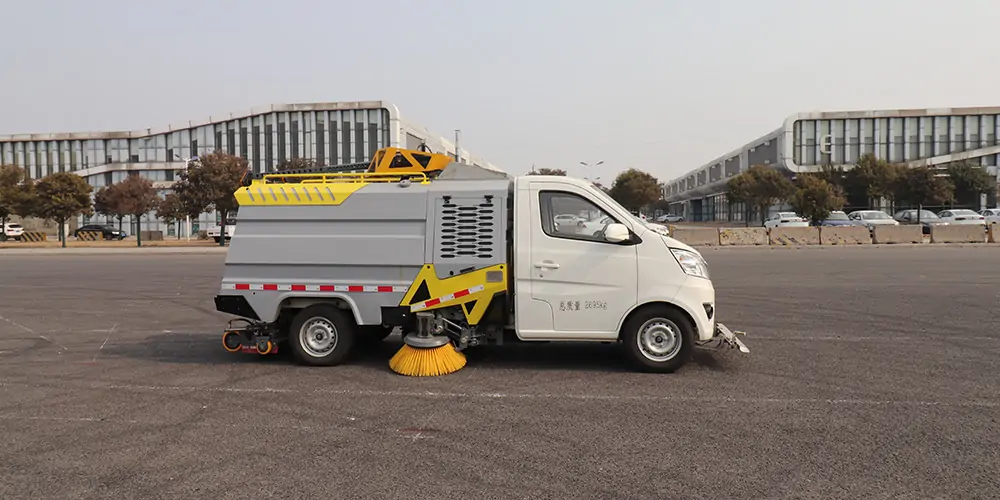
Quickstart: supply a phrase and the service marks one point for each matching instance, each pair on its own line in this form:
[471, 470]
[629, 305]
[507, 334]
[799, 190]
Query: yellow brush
[427, 362]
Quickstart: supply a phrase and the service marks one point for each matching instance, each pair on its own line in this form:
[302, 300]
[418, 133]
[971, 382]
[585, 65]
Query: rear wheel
[658, 339]
[321, 335]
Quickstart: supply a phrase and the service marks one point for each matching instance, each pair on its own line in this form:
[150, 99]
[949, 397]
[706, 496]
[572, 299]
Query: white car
[872, 218]
[962, 216]
[992, 215]
[786, 219]
[216, 232]
[12, 231]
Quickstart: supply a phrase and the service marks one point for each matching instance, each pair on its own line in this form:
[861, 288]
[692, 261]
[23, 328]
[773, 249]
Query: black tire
[666, 320]
[328, 321]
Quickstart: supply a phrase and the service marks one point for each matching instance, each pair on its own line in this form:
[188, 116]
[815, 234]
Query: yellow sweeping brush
[426, 355]
[427, 362]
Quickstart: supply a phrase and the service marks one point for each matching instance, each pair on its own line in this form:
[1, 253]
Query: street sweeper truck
[455, 256]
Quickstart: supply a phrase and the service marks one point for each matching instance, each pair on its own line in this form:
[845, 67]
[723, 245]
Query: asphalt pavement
[873, 374]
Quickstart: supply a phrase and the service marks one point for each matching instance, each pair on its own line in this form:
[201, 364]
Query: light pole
[585, 164]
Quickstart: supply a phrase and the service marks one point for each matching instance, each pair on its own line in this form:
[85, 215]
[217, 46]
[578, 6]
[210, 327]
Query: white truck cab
[215, 232]
[624, 282]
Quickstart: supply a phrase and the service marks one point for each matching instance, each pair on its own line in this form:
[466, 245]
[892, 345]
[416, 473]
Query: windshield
[927, 214]
[837, 216]
[875, 215]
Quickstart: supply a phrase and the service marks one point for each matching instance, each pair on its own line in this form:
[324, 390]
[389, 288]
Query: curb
[112, 251]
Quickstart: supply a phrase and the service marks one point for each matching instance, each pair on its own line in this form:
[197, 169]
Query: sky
[661, 86]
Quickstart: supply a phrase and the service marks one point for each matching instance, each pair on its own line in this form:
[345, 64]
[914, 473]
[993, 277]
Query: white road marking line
[110, 331]
[879, 338]
[29, 330]
[111, 420]
[501, 395]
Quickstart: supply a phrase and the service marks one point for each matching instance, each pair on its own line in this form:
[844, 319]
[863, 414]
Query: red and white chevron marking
[284, 287]
[451, 296]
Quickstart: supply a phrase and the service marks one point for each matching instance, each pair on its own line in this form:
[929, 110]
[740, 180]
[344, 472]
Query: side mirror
[616, 233]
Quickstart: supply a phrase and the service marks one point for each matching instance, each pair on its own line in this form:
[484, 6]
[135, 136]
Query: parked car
[12, 231]
[992, 215]
[107, 230]
[962, 216]
[927, 219]
[670, 218]
[216, 232]
[836, 218]
[871, 218]
[785, 219]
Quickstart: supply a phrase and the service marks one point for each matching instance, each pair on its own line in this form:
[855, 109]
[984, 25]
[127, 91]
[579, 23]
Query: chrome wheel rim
[659, 340]
[318, 337]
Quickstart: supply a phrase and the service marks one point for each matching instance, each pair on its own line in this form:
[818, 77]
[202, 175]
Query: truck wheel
[658, 339]
[321, 335]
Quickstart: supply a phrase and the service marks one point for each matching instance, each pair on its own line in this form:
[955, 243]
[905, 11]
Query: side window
[566, 215]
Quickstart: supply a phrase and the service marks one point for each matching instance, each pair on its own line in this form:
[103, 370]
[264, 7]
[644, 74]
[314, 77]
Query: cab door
[578, 284]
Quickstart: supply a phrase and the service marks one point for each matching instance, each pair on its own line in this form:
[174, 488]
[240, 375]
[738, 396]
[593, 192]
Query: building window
[268, 147]
[345, 147]
[295, 138]
[281, 141]
[320, 137]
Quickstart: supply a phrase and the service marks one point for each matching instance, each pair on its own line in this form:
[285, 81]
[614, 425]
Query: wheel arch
[340, 301]
[638, 309]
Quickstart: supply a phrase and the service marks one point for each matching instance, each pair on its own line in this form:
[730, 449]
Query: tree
[970, 181]
[137, 197]
[547, 171]
[635, 189]
[107, 201]
[294, 164]
[739, 190]
[873, 179]
[761, 187]
[61, 196]
[171, 210]
[924, 186]
[14, 193]
[210, 183]
[815, 198]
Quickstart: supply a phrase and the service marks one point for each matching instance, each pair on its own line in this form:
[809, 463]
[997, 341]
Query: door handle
[547, 264]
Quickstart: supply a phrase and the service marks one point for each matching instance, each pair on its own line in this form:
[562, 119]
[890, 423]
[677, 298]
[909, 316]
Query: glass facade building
[328, 133]
[808, 141]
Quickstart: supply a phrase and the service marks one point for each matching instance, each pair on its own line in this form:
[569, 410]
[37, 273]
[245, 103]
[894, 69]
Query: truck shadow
[204, 349]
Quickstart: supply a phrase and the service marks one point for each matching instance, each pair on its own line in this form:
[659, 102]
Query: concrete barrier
[696, 236]
[793, 236]
[898, 234]
[958, 233]
[34, 236]
[151, 235]
[732, 236]
[844, 235]
[993, 232]
[90, 236]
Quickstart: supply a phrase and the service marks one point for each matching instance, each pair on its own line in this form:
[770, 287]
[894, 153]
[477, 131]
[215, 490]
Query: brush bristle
[415, 362]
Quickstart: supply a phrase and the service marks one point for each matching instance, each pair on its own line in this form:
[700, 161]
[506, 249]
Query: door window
[570, 216]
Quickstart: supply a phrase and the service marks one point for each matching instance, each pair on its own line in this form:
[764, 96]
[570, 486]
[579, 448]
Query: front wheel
[658, 339]
[321, 335]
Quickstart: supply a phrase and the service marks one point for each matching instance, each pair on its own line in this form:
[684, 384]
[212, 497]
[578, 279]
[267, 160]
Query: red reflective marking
[355, 288]
[326, 288]
[383, 288]
[298, 288]
[271, 287]
[242, 286]
[462, 293]
[432, 302]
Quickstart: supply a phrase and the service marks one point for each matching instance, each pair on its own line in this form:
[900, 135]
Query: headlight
[691, 262]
